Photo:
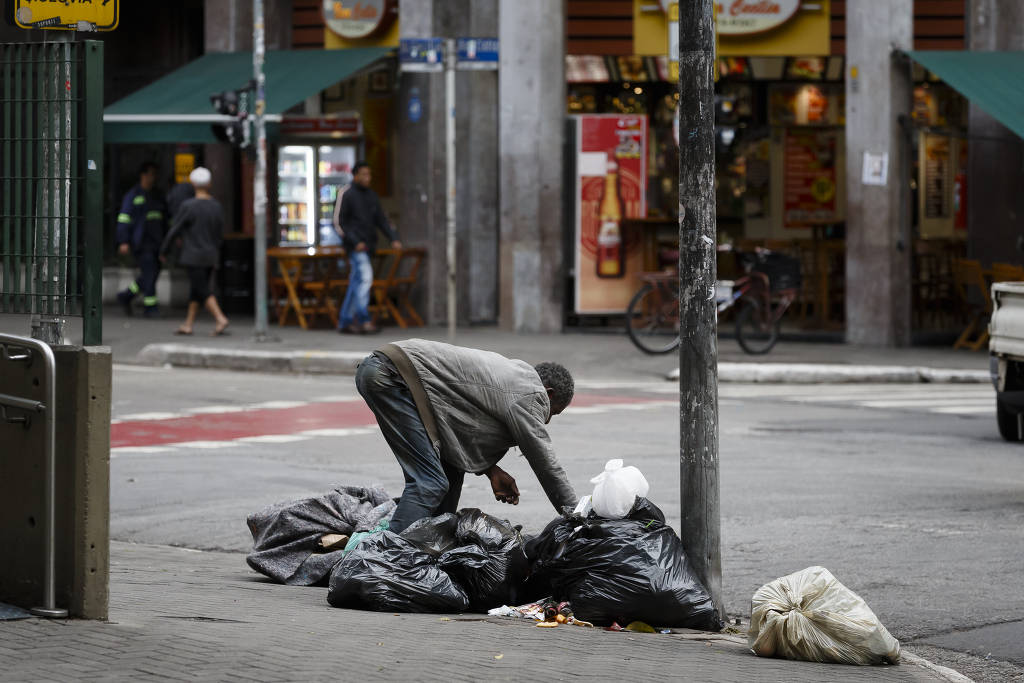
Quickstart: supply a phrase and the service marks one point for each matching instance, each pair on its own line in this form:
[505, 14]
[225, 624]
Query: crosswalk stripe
[347, 431]
[128, 450]
[964, 410]
[215, 410]
[926, 403]
[272, 438]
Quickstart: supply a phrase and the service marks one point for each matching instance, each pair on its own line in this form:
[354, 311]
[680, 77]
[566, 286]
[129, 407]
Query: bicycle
[765, 292]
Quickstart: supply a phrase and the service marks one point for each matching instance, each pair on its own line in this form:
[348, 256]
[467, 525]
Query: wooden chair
[968, 275]
[398, 270]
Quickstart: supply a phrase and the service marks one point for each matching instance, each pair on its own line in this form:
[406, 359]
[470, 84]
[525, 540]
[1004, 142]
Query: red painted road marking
[266, 421]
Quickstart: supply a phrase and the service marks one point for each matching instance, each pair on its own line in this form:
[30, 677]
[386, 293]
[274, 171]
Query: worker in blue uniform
[141, 226]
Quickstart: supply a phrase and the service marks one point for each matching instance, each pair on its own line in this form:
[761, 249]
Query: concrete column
[995, 156]
[878, 240]
[531, 97]
[421, 158]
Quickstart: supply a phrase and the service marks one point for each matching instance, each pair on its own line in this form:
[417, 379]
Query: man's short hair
[557, 378]
[147, 166]
[359, 166]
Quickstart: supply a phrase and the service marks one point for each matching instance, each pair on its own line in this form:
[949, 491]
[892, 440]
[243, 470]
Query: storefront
[780, 147]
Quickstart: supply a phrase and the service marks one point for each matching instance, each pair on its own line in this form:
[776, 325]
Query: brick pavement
[179, 614]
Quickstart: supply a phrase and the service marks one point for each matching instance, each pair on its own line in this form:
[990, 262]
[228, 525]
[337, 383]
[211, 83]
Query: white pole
[449, 98]
[260, 177]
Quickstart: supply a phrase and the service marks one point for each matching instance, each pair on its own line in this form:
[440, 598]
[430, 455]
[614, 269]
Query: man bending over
[447, 410]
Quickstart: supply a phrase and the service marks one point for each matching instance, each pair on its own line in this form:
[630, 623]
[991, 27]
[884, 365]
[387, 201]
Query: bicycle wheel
[755, 334]
[652, 320]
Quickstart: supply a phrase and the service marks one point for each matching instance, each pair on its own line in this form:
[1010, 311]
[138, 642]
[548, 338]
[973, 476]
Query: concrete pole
[698, 327]
[531, 104]
[260, 176]
[879, 242]
[449, 135]
[55, 193]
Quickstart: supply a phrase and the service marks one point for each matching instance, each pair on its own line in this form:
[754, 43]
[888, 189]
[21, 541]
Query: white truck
[1006, 357]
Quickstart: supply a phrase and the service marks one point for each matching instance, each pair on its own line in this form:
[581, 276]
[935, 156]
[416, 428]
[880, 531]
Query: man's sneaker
[125, 299]
[369, 328]
[351, 328]
[151, 312]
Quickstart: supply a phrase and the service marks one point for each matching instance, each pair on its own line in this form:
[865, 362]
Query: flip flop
[182, 332]
[220, 331]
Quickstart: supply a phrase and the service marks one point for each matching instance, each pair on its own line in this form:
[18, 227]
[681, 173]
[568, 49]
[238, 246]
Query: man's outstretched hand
[503, 485]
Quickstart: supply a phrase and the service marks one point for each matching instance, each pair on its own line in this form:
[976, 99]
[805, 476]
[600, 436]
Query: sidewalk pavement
[178, 614]
[605, 355]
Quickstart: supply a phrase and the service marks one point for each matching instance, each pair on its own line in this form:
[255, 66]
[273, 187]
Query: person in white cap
[199, 225]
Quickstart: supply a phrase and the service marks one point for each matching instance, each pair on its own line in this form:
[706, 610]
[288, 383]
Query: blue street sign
[421, 54]
[477, 53]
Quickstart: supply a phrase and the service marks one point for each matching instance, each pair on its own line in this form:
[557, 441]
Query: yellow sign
[792, 33]
[184, 164]
[67, 15]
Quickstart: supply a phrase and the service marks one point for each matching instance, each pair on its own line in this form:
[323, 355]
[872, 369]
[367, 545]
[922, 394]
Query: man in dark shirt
[199, 224]
[359, 218]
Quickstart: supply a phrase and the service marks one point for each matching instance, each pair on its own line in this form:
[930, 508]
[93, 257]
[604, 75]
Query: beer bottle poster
[611, 185]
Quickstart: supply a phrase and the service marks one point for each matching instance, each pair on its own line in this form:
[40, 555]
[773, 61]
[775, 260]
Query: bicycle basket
[783, 271]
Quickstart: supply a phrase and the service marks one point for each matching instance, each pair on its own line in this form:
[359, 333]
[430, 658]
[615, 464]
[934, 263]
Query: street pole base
[49, 613]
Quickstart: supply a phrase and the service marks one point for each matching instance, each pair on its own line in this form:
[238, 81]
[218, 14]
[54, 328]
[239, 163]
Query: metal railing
[51, 165]
[18, 409]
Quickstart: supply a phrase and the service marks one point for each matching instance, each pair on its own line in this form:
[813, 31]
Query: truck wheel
[1007, 420]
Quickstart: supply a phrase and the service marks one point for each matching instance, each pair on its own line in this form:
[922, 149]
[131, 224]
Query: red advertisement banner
[611, 185]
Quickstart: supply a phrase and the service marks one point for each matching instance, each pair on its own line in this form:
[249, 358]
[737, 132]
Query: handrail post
[49, 608]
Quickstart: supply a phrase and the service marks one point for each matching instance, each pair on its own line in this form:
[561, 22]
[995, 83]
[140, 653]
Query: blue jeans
[432, 487]
[357, 299]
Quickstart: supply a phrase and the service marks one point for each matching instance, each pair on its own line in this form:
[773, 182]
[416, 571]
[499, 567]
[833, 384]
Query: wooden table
[307, 277]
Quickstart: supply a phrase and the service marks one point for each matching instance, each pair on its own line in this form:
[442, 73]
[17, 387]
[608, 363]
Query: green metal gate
[51, 160]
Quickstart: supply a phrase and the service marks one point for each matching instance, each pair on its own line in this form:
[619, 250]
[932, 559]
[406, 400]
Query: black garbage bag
[489, 560]
[286, 536]
[449, 563]
[388, 573]
[622, 570]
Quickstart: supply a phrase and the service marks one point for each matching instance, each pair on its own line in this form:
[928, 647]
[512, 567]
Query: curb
[820, 373]
[307, 362]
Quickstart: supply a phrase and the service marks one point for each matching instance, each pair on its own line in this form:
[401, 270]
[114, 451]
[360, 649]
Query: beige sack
[810, 616]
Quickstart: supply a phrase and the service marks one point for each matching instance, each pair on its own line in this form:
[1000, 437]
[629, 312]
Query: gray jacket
[482, 404]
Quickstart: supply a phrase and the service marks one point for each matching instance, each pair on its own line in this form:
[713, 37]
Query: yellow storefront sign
[67, 15]
[746, 28]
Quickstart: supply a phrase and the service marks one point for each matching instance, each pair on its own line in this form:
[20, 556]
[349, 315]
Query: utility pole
[260, 176]
[698, 326]
[449, 129]
[54, 203]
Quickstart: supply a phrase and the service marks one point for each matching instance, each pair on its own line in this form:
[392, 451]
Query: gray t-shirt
[200, 225]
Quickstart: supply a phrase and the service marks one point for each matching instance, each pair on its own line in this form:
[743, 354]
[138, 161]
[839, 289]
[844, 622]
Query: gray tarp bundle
[286, 536]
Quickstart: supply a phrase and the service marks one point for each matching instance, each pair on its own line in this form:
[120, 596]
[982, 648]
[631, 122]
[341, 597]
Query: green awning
[171, 103]
[992, 80]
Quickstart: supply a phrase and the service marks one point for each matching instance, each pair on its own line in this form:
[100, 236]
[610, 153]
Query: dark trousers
[149, 270]
[432, 487]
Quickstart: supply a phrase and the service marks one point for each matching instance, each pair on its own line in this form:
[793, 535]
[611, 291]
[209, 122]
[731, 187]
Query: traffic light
[227, 103]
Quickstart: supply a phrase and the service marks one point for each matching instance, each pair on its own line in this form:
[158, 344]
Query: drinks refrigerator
[310, 176]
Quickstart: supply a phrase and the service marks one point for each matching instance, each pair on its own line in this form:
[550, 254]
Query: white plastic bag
[810, 616]
[616, 489]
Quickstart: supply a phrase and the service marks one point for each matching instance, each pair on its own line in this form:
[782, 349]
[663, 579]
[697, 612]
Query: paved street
[905, 492]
